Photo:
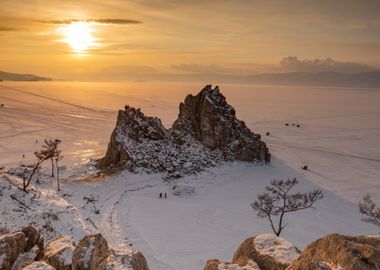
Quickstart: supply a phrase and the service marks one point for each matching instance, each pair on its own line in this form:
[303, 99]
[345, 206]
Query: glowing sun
[78, 36]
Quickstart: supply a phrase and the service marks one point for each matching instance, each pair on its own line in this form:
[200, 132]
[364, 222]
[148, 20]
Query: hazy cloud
[101, 21]
[196, 68]
[292, 63]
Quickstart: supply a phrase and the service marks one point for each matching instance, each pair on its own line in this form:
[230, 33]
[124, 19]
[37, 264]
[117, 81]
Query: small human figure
[165, 195]
[160, 195]
[36, 141]
[23, 155]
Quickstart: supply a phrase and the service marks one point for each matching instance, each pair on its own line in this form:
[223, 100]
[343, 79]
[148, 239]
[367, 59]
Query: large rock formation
[21, 250]
[212, 121]
[336, 251]
[205, 134]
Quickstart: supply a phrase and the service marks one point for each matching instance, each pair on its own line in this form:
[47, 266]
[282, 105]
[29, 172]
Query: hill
[7, 76]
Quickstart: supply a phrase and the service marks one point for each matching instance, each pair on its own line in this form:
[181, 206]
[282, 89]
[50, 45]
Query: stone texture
[32, 236]
[59, 252]
[11, 246]
[91, 253]
[347, 252]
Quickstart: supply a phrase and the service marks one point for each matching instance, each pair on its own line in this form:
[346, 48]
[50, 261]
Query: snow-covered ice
[338, 140]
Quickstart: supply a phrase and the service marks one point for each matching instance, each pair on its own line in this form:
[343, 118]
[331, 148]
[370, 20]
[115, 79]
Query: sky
[115, 39]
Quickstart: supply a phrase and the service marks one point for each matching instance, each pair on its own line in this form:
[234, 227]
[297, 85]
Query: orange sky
[180, 37]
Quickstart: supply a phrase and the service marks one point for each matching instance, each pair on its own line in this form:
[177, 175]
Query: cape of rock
[205, 134]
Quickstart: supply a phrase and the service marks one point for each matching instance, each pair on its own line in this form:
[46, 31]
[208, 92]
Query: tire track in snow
[54, 99]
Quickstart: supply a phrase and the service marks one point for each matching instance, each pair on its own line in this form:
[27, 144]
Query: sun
[78, 36]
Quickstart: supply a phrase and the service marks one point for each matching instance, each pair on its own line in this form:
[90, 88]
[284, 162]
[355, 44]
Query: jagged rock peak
[212, 121]
[206, 133]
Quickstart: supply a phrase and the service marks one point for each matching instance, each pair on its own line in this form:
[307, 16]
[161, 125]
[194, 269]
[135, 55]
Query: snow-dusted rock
[205, 134]
[212, 121]
[337, 252]
[261, 252]
[39, 266]
[268, 251]
[131, 260]
[59, 252]
[11, 246]
[219, 265]
[91, 253]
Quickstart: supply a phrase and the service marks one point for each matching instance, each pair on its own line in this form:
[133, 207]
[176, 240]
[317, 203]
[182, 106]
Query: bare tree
[369, 210]
[58, 157]
[41, 156]
[277, 201]
[50, 147]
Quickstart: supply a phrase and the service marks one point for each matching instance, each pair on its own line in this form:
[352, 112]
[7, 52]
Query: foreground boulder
[39, 266]
[205, 134]
[11, 246]
[59, 252]
[91, 253]
[336, 251]
[126, 261]
[24, 249]
[261, 252]
[268, 251]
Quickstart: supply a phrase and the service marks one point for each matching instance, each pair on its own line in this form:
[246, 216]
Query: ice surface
[338, 140]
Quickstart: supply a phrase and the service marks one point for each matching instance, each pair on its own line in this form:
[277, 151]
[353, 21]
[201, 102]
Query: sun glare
[78, 36]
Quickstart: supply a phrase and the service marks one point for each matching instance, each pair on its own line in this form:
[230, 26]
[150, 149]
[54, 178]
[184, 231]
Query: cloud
[100, 21]
[7, 28]
[292, 63]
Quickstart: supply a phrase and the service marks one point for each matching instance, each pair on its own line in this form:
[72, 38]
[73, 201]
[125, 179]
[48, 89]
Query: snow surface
[338, 140]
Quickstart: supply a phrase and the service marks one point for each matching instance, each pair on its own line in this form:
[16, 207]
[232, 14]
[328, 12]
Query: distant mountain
[6, 76]
[369, 79]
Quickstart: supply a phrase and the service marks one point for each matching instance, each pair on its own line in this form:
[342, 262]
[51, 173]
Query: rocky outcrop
[22, 250]
[336, 251]
[59, 252]
[212, 121]
[205, 134]
[91, 253]
[261, 252]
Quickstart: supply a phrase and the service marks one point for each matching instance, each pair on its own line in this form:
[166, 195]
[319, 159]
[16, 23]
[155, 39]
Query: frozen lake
[339, 136]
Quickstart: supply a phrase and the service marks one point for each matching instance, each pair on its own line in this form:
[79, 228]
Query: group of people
[163, 195]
